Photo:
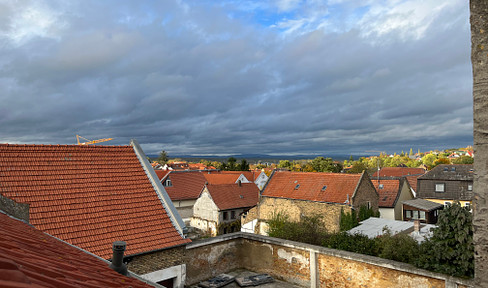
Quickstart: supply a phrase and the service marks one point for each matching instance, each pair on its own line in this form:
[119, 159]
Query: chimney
[416, 226]
[118, 247]
[239, 183]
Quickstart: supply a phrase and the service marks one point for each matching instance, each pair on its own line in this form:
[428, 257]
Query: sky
[202, 77]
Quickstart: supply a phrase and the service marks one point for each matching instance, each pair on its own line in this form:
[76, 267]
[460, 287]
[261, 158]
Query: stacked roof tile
[89, 196]
[31, 258]
[185, 185]
[398, 172]
[232, 196]
[388, 191]
[322, 187]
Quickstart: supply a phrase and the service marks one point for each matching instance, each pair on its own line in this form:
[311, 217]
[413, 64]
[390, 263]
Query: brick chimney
[416, 226]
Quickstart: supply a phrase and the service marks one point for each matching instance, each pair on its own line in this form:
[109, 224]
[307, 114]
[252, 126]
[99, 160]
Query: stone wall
[305, 265]
[208, 258]
[365, 193]
[143, 264]
[331, 213]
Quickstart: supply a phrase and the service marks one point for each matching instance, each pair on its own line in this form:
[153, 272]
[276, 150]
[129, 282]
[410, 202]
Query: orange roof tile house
[299, 193]
[184, 188]
[91, 196]
[392, 192]
[219, 208]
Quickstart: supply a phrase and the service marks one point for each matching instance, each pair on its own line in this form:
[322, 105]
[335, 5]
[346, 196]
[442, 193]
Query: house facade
[219, 208]
[298, 194]
[184, 188]
[423, 210]
[447, 183]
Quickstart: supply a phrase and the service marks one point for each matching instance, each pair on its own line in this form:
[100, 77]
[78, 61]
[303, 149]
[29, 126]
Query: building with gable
[184, 188]
[298, 194]
[91, 196]
[447, 183]
[392, 192]
[219, 208]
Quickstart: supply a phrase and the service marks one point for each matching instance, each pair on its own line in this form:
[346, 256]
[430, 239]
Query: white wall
[178, 272]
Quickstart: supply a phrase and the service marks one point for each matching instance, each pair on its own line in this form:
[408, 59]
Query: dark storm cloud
[192, 77]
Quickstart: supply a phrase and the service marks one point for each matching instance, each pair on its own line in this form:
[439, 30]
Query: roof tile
[88, 196]
[321, 187]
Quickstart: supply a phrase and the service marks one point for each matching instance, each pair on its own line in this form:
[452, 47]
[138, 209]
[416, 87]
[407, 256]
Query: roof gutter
[160, 191]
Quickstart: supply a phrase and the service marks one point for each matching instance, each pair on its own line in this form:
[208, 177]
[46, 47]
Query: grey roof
[423, 204]
[374, 227]
[450, 172]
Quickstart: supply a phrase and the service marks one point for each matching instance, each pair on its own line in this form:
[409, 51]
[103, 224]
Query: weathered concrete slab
[254, 280]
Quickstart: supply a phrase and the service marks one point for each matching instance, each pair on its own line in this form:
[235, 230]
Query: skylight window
[381, 186]
[324, 187]
[298, 186]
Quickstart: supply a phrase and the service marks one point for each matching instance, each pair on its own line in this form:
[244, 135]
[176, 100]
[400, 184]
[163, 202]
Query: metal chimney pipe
[118, 256]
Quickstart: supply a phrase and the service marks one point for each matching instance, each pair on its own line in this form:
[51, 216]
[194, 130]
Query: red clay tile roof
[31, 258]
[218, 178]
[389, 192]
[89, 196]
[310, 186]
[398, 172]
[186, 185]
[233, 196]
[161, 173]
[412, 180]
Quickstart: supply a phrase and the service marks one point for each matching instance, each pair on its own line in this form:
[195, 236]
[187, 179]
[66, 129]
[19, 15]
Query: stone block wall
[365, 193]
[331, 213]
[146, 263]
[305, 265]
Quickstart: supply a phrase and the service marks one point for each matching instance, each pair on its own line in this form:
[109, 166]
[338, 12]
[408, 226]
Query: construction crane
[90, 141]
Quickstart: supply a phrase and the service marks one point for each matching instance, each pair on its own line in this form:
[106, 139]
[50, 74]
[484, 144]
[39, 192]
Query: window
[298, 186]
[422, 215]
[453, 169]
[168, 183]
[232, 214]
[381, 186]
[408, 213]
[324, 187]
[369, 205]
[439, 187]
[470, 187]
[225, 216]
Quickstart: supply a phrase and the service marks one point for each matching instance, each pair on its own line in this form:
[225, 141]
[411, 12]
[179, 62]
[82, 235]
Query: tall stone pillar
[479, 59]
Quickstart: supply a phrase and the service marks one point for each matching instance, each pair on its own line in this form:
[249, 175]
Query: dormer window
[168, 183]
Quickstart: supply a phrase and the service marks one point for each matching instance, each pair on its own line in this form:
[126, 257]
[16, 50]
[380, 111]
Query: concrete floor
[245, 273]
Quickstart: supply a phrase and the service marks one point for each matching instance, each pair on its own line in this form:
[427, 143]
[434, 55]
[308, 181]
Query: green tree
[463, 160]
[358, 167]
[244, 166]
[428, 160]
[441, 161]
[450, 250]
[163, 158]
[286, 164]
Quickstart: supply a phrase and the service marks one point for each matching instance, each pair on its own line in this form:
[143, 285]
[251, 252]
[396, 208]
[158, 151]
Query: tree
[441, 161]
[244, 166]
[428, 160]
[463, 160]
[358, 167]
[450, 250]
[163, 157]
